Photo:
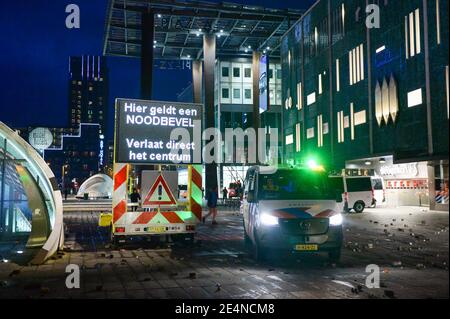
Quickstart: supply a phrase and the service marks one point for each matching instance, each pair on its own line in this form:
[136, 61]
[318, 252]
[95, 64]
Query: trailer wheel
[114, 242]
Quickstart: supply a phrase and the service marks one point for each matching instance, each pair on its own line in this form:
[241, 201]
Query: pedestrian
[66, 192]
[212, 205]
[224, 194]
[135, 198]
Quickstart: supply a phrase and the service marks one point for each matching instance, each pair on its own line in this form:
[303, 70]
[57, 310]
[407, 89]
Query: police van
[291, 209]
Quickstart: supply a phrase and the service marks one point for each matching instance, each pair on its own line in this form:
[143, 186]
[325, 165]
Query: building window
[356, 64]
[297, 138]
[310, 133]
[338, 76]
[340, 127]
[248, 73]
[412, 34]
[225, 72]
[352, 122]
[320, 131]
[270, 73]
[386, 100]
[438, 22]
[415, 98]
[338, 23]
[248, 94]
[299, 96]
[225, 93]
[236, 72]
[320, 84]
[236, 93]
[360, 118]
[447, 90]
[311, 99]
[289, 139]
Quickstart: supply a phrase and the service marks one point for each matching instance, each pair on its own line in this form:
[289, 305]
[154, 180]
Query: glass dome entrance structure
[30, 203]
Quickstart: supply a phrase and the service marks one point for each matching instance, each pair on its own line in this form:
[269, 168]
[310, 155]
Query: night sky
[35, 50]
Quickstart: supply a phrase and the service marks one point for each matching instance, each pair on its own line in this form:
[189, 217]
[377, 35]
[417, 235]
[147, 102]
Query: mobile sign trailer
[143, 137]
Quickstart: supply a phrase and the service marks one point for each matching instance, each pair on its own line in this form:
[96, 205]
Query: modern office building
[234, 109]
[79, 156]
[355, 94]
[88, 92]
[205, 34]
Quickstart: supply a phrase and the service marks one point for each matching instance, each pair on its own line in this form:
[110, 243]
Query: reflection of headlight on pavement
[268, 220]
[336, 220]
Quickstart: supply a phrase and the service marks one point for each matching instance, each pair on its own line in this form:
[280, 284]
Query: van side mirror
[251, 197]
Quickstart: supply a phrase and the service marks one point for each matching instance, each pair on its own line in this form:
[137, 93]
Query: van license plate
[307, 247]
[156, 229]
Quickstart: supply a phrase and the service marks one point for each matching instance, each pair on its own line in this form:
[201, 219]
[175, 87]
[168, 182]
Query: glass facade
[356, 92]
[28, 211]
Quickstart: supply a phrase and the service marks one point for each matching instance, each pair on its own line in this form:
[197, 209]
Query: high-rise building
[361, 97]
[88, 92]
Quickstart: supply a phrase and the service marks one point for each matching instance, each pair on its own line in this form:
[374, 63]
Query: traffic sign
[159, 194]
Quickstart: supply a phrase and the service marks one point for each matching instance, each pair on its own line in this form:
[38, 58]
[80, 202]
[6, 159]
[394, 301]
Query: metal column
[148, 22]
[209, 63]
[197, 76]
[256, 115]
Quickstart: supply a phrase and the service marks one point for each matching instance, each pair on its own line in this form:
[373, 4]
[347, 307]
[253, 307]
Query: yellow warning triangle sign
[159, 194]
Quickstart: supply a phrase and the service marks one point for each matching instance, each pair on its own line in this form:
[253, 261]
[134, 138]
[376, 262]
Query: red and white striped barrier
[120, 192]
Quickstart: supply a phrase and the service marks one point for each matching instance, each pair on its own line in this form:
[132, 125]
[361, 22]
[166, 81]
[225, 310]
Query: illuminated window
[320, 84]
[360, 118]
[415, 98]
[320, 131]
[413, 34]
[289, 139]
[447, 90]
[311, 99]
[297, 138]
[380, 49]
[356, 64]
[352, 122]
[340, 126]
[310, 133]
[438, 22]
[299, 96]
[338, 76]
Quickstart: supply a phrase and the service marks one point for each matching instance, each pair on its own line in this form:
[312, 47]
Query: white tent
[97, 186]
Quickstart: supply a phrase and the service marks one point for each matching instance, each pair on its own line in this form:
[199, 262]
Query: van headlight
[268, 220]
[336, 220]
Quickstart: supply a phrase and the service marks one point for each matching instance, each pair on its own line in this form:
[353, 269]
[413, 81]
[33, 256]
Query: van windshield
[377, 184]
[294, 185]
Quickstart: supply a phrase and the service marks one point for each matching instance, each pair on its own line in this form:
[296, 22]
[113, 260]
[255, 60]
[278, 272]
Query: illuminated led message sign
[143, 132]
